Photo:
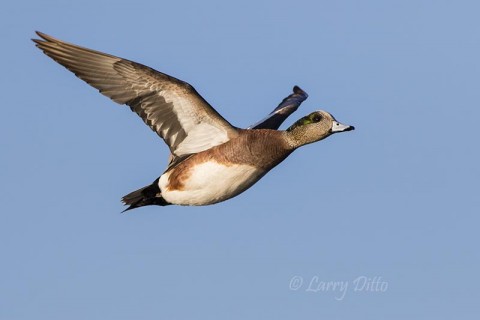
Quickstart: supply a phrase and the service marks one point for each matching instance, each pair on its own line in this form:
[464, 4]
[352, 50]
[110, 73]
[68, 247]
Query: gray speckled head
[314, 127]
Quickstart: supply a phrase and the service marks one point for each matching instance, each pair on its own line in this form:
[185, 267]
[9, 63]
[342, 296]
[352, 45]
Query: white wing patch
[202, 134]
[202, 137]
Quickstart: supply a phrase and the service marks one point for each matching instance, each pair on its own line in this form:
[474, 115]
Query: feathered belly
[208, 183]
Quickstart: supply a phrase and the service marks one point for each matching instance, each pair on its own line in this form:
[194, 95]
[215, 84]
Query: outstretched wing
[170, 107]
[288, 106]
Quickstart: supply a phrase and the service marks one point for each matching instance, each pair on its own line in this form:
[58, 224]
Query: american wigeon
[211, 160]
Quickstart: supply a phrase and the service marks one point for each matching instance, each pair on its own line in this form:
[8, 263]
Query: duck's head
[316, 126]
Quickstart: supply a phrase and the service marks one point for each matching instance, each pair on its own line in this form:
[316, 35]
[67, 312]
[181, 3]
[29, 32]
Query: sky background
[396, 200]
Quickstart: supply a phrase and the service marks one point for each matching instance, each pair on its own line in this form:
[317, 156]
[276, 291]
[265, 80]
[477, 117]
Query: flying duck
[211, 160]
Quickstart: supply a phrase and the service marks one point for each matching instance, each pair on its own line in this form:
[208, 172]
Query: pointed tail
[146, 196]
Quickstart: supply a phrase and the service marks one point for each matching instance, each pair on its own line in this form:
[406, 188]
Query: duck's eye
[317, 118]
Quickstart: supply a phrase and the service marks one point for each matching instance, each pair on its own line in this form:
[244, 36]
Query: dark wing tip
[298, 90]
[288, 106]
[44, 39]
[45, 36]
[37, 41]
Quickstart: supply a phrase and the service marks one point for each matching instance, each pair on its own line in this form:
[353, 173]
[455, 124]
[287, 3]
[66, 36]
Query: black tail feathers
[146, 196]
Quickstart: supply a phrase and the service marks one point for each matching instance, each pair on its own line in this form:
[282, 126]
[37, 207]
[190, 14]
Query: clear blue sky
[398, 198]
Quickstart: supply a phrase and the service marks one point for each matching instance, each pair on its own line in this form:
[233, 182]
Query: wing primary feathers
[288, 106]
[169, 106]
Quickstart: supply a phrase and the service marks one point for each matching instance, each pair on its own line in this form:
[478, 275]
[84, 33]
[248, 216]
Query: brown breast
[262, 148]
